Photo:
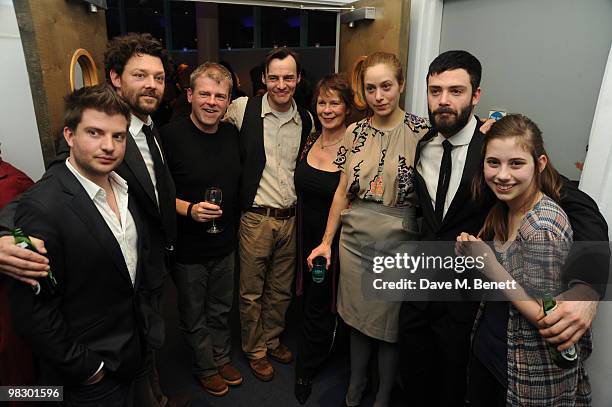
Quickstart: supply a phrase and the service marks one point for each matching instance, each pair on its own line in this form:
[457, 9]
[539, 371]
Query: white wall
[18, 131]
[597, 181]
[542, 58]
[425, 22]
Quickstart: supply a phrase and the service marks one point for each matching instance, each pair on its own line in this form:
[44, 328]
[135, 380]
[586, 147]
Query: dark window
[236, 25]
[321, 28]
[280, 27]
[146, 16]
[183, 23]
[113, 25]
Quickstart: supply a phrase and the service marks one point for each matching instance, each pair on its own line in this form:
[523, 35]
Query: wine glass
[213, 195]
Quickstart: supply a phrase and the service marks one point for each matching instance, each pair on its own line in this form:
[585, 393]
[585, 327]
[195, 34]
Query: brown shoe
[262, 369]
[214, 385]
[281, 354]
[230, 374]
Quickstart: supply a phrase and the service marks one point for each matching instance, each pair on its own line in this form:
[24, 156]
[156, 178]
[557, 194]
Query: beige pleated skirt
[362, 225]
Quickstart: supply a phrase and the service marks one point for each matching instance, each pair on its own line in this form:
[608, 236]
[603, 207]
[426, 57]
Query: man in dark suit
[437, 333]
[435, 336]
[88, 334]
[135, 65]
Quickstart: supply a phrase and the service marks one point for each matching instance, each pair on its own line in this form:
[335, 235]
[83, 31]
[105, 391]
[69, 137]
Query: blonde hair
[361, 66]
[214, 71]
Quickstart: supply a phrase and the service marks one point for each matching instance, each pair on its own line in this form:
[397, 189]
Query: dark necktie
[159, 169]
[443, 179]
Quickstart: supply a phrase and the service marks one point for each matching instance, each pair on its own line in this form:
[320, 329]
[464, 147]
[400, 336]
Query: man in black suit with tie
[135, 65]
[435, 336]
[88, 336]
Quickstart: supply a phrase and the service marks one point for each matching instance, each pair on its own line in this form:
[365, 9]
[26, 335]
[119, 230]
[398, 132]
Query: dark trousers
[16, 361]
[147, 391]
[205, 293]
[484, 390]
[434, 353]
[109, 392]
[319, 326]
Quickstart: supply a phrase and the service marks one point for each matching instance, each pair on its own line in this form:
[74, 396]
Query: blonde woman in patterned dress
[374, 195]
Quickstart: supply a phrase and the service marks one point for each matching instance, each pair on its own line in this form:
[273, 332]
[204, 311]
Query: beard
[139, 106]
[452, 124]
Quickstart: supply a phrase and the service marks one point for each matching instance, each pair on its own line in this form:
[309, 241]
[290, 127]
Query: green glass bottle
[567, 358]
[319, 267]
[47, 286]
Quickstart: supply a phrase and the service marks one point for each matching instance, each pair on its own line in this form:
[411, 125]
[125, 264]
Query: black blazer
[463, 215]
[95, 316]
[161, 224]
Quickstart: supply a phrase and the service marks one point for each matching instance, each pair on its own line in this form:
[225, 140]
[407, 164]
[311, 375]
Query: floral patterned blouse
[380, 164]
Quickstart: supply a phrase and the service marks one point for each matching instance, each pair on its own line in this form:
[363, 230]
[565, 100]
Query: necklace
[323, 146]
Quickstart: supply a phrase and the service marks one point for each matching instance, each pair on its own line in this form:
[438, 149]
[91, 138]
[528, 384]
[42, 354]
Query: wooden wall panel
[389, 32]
[51, 31]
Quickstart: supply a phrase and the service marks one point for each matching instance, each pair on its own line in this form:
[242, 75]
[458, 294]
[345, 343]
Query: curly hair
[121, 49]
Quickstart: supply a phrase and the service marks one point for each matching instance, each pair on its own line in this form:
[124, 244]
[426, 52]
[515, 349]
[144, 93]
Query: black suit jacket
[95, 316]
[463, 215]
[161, 226]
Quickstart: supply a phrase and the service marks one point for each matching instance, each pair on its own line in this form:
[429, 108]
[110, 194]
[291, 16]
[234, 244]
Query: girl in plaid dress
[510, 363]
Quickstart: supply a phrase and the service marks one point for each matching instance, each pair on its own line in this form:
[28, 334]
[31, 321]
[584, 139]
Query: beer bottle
[564, 359]
[47, 286]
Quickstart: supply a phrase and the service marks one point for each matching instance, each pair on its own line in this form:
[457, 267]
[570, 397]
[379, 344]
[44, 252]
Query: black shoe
[303, 388]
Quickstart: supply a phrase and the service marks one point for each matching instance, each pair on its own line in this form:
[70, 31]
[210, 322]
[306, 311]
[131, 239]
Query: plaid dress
[533, 379]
